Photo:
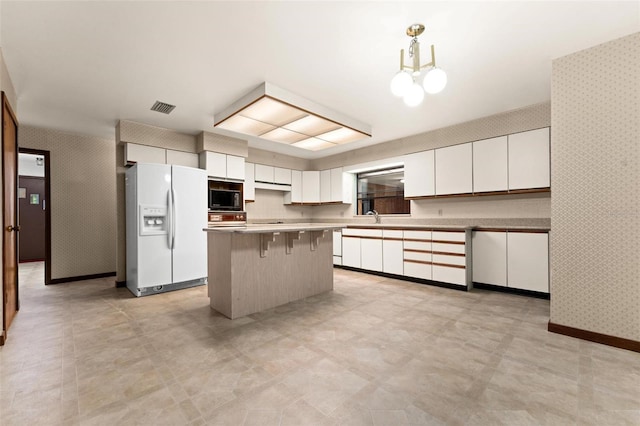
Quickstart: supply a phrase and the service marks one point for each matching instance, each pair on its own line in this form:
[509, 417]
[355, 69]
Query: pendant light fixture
[405, 83]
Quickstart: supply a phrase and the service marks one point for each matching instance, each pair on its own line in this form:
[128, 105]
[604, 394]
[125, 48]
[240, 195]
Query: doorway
[35, 208]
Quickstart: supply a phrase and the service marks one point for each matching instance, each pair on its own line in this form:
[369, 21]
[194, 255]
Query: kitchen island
[259, 267]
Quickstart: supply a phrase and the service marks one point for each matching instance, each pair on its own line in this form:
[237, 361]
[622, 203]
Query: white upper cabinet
[134, 153]
[454, 169]
[419, 174]
[529, 159]
[214, 163]
[310, 186]
[281, 176]
[235, 167]
[181, 158]
[295, 195]
[490, 165]
[338, 182]
[249, 182]
[325, 186]
[264, 173]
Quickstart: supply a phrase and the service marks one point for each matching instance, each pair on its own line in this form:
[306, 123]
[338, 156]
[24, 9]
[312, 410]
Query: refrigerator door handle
[173, 220]
[169, 217]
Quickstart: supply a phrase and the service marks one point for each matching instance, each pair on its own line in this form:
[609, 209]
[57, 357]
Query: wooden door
[31, 208]
[10, 226]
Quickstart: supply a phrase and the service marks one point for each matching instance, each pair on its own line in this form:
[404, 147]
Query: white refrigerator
[166, 209]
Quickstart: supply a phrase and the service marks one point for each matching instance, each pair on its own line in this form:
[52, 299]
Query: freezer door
[154, 254]
[190, 218]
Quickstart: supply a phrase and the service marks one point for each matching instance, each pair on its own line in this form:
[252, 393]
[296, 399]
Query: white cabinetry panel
[490, 257]
[448, 274]
[281, 176]
[529, 162]
[337, 243]
[490, 165]
[134, 153]
[454, 169]
[528, 261]
[371, 254]
[264, 173]
[235, 167]
[325, 186]
[249, 182]
[419, 174]
[392, 257]
[311, 186]
[295, 195]
[181, 158]
[214, 163]
[351, 251]
[337, 186]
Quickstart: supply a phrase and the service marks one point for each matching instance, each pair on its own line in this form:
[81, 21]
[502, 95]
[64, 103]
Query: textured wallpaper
[83, 196]
[595, 203]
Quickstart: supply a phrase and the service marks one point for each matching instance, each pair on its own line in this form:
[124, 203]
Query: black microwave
[225, 199]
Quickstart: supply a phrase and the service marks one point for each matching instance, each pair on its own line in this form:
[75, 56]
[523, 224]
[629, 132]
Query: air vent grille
[162, 107]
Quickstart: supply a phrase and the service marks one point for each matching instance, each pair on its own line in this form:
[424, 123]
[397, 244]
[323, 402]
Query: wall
[83, 221]
[495, 210]
[595, 203]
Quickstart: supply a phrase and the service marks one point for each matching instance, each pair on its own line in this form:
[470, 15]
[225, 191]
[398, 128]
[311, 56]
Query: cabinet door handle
[13, 228]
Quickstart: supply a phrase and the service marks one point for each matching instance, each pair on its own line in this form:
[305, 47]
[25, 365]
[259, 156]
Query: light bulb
[434, 81]
[400, 83]
[414, 95]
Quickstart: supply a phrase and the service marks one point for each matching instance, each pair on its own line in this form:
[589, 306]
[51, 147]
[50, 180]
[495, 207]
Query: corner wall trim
[592, 336]
[82, 278]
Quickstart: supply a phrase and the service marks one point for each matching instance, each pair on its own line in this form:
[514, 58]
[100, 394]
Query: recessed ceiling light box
[272, 113]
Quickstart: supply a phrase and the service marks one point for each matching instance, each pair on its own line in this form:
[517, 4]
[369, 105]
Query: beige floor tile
[375, 351]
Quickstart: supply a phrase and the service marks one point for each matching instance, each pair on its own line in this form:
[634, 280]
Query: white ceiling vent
[162, 107]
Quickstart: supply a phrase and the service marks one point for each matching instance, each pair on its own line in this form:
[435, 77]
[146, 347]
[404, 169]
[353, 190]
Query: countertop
[263, 228]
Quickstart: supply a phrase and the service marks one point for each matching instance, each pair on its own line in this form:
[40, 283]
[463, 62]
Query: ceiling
[82, 66]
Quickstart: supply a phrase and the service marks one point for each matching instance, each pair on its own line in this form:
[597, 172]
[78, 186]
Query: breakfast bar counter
[262, 266]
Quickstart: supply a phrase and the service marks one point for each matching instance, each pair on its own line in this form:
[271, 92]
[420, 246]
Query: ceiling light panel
[341, 135]
[283, 135]
[313, 144]
[311, 125]
[274, 114]
[238, 123]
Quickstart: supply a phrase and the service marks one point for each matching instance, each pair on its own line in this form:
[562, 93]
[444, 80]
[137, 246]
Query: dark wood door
[10, 216]
[31, 205]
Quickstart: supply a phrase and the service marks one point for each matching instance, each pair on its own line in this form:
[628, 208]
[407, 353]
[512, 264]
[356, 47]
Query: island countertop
[264, 228]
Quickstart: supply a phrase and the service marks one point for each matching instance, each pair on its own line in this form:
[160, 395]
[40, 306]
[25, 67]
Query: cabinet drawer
[449, 260]
[391, 233]
[451, 275]
[417, 255]
[417, 245]
[356, 232]
[417, 270]
[448, 236]
[417, 235]
[448, 248]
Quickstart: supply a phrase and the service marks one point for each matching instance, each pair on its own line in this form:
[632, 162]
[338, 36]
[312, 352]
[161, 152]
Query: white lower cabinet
[371, 253]
[490, 257]
[392, 252]
[350, 251]
[337, 247]
[528, 261]
[417, 254]
[449, 274]
[512, 259]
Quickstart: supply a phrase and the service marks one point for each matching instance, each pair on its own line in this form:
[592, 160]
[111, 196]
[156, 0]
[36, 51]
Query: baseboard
[511, 290]
[592, 336]
[405, 278]
[121, 284]
[2, 338]
[82, 278]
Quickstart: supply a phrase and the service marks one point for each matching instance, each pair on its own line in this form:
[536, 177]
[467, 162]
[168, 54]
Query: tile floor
[374, 351]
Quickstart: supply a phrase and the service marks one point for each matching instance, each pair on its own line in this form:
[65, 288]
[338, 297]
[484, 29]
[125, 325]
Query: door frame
[47, 210]
[6, 105]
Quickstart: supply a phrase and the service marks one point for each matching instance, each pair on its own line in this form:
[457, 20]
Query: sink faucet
[374, 213]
